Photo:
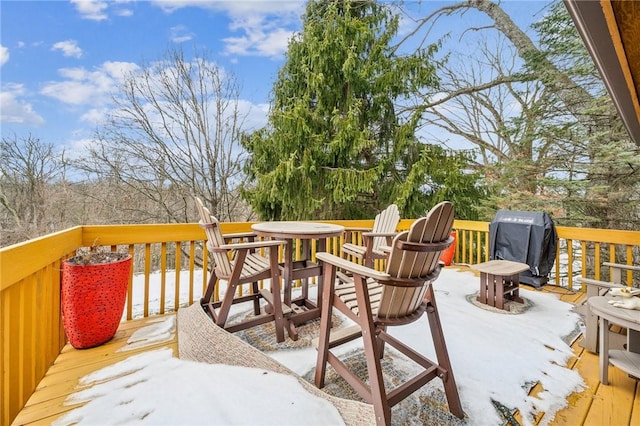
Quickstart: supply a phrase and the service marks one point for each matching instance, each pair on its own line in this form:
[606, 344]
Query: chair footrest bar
[268, 296]
[341, 336]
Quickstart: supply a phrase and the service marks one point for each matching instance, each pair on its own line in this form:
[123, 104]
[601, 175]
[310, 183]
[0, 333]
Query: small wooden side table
[499, 280]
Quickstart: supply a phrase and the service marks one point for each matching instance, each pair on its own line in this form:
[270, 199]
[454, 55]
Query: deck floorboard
[48, 401]
[615, 404]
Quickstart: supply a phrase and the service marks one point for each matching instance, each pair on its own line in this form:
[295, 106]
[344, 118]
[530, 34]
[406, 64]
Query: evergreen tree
[601, 184]
[338, 144]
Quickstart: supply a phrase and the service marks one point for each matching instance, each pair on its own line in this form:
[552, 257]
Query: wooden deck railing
[31, 332]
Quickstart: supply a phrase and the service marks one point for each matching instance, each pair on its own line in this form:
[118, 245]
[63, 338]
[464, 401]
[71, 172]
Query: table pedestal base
[302, 309]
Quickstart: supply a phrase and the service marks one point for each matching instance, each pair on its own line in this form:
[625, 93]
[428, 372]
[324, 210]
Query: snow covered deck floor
[616, 404]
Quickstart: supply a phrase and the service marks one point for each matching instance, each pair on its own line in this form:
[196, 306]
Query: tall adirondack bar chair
[376, 300]
[239, 264]
[382, 233]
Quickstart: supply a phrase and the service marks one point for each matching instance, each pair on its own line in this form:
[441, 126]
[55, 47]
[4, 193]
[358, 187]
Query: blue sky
[62, 60]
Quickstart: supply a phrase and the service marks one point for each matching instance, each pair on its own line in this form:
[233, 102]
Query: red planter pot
[93, 298]
[447, 255]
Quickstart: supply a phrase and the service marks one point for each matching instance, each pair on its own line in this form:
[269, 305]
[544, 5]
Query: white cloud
[80, 146]
[124, 12]
[4, 55]
[119, 70]
[15, 111]
[91, 9]
[236, 8]
[255, 115]
[96, 10]
[265, 26]
[71, 92]
[121, 10]
[180, 34]
[258, 39]
[83, 87]
[68, 48]
[95, 116]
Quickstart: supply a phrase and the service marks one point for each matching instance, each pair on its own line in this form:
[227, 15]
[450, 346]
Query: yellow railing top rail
[598, 235]
[23, 259]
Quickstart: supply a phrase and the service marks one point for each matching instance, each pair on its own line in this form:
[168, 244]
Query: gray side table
[627, 360]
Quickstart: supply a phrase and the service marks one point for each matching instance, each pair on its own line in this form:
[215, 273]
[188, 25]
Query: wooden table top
[629, 318]
[295, 229]
[501, 267]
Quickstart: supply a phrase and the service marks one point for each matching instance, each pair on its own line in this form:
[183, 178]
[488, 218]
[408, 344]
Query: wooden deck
[615, 404]
[47, 402]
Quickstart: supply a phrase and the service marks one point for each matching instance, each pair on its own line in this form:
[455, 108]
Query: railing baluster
[569, 245]
[629, 256]
[192, 263]
[178, 269]
[597, 261]
[163, 276]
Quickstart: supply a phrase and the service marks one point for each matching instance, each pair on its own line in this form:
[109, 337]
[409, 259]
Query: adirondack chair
[382, 233]
[376, 300]
[238, 264]
[600, 288]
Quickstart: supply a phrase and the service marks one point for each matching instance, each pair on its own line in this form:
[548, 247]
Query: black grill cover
[527, 237]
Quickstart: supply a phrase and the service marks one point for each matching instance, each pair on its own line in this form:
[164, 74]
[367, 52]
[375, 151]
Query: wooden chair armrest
[352, 267]
[621, 266]
[597, 283]
[379, 234]
[239, 235]
[348, 232]
[385, 248]
[251, 245]
[209, 225]
[353, 229]
[596, 287]
[425, 247]
[617, 268]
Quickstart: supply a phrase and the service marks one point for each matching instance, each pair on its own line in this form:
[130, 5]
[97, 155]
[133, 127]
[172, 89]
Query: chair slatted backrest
[214, 239]
[385, 222]
[409, 267]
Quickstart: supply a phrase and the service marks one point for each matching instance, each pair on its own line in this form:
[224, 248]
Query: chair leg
[211, 287]
[225, 306]
[256, 301]
[380, 342]
[379, 399]
[450, 388]
[325, 323]
[229, 295]
[278, 317]
[207, 299]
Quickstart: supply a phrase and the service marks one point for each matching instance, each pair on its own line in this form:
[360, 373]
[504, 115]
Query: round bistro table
[303, 308]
